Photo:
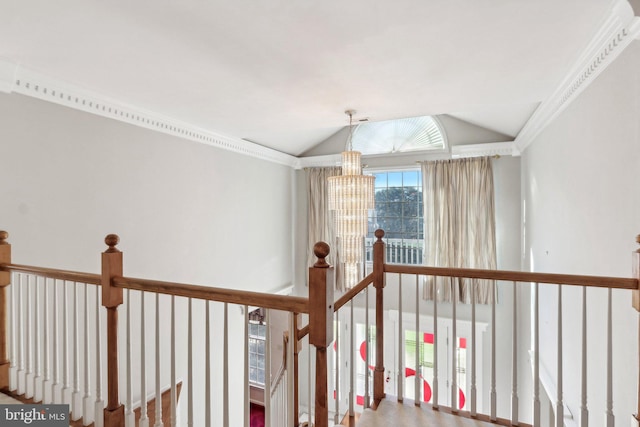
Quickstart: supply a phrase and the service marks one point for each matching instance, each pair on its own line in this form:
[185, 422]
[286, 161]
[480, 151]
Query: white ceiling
[281, 73]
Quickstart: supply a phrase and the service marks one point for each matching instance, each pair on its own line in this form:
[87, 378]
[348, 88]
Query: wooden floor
[391, 414]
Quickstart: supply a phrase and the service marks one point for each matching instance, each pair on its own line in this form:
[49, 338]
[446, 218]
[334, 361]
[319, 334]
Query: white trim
[16, 79]
[488, 149]
[617, 31]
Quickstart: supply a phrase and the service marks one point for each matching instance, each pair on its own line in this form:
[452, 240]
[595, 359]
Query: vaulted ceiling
[281, 73]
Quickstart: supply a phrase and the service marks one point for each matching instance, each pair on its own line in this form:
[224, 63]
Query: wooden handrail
[517, 276]
[271, 301]
[303, 332]
[351, 293]
[52, 273]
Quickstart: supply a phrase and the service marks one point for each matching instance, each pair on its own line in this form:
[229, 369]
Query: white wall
[582, 213]
[184, 211]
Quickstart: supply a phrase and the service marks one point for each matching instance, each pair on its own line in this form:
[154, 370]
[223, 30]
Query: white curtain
[459, 215]
[320, 218]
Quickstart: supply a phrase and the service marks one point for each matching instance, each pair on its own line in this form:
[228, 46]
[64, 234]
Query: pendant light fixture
[351, 195]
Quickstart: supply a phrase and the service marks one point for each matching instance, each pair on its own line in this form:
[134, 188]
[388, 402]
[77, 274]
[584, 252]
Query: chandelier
[351, 195]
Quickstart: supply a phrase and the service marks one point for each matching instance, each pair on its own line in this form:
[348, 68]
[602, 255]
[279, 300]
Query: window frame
[396, 247]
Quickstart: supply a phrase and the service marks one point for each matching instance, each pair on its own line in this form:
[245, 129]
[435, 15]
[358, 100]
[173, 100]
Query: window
[399, 212]
[257, 348]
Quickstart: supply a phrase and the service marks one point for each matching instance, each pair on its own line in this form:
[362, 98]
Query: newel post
[321, 279]
[378, 283]
[111, 299]
[636, 305]
[5, 279]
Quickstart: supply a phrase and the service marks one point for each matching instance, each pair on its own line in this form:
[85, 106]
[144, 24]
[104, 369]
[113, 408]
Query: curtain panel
[459, 215]
[320, 226]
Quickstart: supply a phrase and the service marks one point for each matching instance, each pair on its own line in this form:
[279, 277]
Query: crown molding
[618, 30]
[16, 79]
[489, 149]
[318, 161]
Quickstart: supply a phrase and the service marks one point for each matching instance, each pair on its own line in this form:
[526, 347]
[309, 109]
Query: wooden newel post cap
[112, 240]
[321, 250]
[3, 237]
[379, 233]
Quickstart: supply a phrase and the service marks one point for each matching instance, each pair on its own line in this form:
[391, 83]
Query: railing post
[636, 305]
[321, 281]
[111, 299]
[379, 282]
[5, 279]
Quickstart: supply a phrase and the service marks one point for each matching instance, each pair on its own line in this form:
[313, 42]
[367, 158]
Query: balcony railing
[398, 251]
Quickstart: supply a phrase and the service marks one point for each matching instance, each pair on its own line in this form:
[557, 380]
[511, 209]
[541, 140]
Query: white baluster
[36, 343]
[129, 419]
[366, 348]
[66, 390]
[207, 366]
[20, 327]
[190, 364]
[536, 358]
[144, 418]
[474, 392]
[454, 346]
[12, 331]
[514, 359]
[559, 402]
[435, 344]
[47, 392]
[99, 404]
[28, 393]
[584, 411]
[57, 387]
[267, 371]
[418, 396]
[76, 408]
[493, 414]
[400, 343]
[87, 411]
[310, 407]
[225, 367]
[351, 361]
[293, 339]
[336, 416]
[158, 422]
[247, 409]
[174, 416]
[609, 418]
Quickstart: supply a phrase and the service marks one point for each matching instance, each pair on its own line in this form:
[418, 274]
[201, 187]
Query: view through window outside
[399, 212]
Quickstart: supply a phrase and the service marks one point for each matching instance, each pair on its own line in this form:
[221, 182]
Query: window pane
[410, 178]
[381, 179]
[394, 179]
[399, 212]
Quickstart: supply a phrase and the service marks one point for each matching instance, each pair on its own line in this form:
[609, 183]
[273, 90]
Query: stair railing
[58, 357]
[51, 370]
[321, 308]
